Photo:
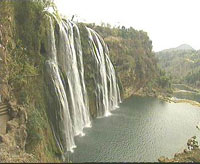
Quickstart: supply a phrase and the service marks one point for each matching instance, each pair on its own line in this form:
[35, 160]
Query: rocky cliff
[22, 41]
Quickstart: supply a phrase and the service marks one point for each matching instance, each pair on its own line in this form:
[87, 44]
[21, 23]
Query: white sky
[168, 23]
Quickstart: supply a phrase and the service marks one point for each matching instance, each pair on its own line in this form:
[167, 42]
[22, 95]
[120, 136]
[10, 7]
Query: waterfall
[65, 78]
[107, 90]
[67, 59]
[78, 49]
[68, 103]
[60, 118]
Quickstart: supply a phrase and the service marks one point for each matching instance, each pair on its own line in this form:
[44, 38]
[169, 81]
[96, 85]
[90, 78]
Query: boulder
[186, 151]
[176, 154]
[22, 115]
[12, 125]
[162, 159]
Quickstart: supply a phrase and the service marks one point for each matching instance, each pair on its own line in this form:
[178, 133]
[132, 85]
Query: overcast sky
[168, 23]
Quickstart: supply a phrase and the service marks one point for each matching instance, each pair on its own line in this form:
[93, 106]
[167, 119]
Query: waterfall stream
[61, 120]
[68, 103]
[107, 90]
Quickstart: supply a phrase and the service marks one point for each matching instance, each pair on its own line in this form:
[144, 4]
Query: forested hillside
[183, 65]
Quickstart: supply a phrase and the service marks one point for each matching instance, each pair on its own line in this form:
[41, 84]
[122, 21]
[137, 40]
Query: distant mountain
[182, 47]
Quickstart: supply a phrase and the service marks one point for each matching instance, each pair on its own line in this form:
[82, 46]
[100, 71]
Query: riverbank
[173, 98]
[154, 92]
[167, 98]
[185, 87]
[184, 101]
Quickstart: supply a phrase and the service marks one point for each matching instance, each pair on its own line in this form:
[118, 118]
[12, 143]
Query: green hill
[182, 47]
[182, 64]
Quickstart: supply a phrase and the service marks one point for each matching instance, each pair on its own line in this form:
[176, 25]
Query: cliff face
[22, 41]
[12, 144]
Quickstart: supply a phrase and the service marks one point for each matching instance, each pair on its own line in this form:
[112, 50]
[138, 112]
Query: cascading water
[58, 111]
[78, 49]
[67, 59]
[114, 93]
[65, 74]
[68, 104]
[107, 90]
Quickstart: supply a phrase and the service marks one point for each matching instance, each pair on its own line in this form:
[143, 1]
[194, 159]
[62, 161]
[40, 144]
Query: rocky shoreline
[191, 154]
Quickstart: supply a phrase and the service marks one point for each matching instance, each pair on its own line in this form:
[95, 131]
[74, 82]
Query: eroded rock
[12, 144]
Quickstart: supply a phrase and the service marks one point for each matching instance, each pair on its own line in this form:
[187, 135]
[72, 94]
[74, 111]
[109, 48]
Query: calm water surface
[141, 130]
